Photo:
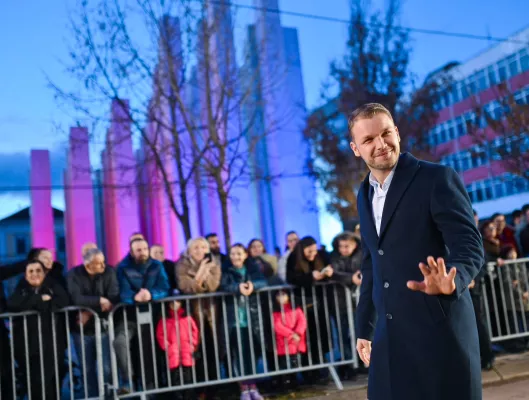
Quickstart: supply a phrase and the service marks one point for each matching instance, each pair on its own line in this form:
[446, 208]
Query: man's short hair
[211, 235]
[138, 240]
[89, 255]
[291, 233]
[135, 234]
[366, 111]
[516, 214]
[525, 208]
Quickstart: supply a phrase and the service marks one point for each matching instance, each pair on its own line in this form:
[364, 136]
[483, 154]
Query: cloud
[15, 168]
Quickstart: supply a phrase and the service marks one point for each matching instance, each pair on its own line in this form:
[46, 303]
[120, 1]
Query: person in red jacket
[179, 340]
[290, 327]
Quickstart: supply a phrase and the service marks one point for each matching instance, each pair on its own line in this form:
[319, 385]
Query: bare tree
[175, 62]
[500, 130]
[374, 69]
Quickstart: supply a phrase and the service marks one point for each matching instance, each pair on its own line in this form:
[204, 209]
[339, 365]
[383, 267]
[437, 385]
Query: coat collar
[406, 169]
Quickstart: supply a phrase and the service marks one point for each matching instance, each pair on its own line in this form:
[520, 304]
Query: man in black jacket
[95, 287]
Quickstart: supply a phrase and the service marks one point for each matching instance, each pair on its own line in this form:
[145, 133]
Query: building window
[524, 60]
[481, 79]
[513, 65]
[61, 244]
[502, 71]
[461, 128]
[493, 79]
[20, 244]
[455, 93]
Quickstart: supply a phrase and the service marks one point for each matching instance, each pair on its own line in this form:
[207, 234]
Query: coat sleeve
[212, 282]
[345, 278]
[113, 287]
[160, 339]
[60, 298]
[228, 284]
[186, 279]
[161, 287]
[280, 328]
[24, 300]
[296, 277]
[78, 298]
[365, 307]
[301, 322]
[195, 333]
[126, 292]
[11, 270]
[451, 211]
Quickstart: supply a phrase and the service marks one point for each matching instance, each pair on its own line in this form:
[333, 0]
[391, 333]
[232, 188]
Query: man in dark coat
[425, 343]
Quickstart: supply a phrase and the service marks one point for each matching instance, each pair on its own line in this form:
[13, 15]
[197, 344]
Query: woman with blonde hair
[198, 273]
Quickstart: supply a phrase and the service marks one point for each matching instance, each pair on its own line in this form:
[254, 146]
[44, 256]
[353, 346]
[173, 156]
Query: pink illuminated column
[42, 226]
[122, 179]
[81, 204]
[69, 227]
[111, 226]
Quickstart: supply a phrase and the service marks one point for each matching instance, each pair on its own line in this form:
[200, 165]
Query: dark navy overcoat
[424, 347]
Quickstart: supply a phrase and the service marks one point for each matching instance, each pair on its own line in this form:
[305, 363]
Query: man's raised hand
[436, 279]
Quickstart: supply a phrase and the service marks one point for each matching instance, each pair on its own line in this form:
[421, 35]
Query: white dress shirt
[379, 197]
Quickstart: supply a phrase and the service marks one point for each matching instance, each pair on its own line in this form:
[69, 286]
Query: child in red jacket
[179, 340]
[290, 326]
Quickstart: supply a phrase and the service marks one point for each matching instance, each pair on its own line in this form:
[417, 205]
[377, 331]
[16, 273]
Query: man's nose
[380, 143]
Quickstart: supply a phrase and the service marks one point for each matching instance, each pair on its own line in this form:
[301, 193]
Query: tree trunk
[223, 199]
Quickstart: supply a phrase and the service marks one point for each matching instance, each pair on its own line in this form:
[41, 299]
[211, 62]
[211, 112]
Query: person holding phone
[197, 273]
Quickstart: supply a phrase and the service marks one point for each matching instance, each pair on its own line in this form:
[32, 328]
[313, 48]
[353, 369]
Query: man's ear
[355, 149]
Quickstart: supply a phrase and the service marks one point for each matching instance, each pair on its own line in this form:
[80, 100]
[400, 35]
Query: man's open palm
[436, 279]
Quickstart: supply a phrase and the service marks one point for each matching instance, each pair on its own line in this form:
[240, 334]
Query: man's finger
[452, 273]
[363, 357]
[416, 286]
[424, 269]
[442, 266]
[432, 265]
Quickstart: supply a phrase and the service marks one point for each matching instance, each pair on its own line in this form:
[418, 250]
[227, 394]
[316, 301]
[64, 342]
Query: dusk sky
[33, 44]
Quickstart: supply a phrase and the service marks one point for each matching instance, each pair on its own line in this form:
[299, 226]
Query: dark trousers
[485, 346]
[179, 376]
[289, 378]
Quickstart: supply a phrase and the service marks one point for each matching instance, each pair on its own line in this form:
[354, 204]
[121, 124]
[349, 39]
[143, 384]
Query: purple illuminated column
[42, 227]
[123, 174]
[82, 197]
[109, 210]
[68, 210]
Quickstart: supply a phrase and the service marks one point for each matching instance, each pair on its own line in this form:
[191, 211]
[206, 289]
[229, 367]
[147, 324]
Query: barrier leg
[335, 378]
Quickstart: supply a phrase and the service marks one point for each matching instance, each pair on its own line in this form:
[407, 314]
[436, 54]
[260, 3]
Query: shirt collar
[387, 182]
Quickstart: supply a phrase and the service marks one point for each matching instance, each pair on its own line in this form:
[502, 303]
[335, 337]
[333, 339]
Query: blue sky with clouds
[32, 43]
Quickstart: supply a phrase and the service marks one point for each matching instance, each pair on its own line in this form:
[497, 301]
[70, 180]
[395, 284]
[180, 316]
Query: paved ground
[518, 390]
[509, 380]
[510, 391]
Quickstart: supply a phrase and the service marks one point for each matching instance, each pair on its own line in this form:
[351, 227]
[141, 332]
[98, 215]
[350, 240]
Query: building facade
[16, 236]
[475, 84]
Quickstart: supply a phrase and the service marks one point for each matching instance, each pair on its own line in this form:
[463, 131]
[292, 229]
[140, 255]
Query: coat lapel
[366, 208]
[404, 174]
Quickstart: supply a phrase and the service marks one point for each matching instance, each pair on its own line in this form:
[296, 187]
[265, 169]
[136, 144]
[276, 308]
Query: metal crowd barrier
[28, 370]
[223, 347]
[506, 299]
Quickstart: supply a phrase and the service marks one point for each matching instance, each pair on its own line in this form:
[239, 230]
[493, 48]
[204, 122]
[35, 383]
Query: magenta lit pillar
[82, 196]
[113, 254]
[69, 228]
[122, 177]
[42, 226]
